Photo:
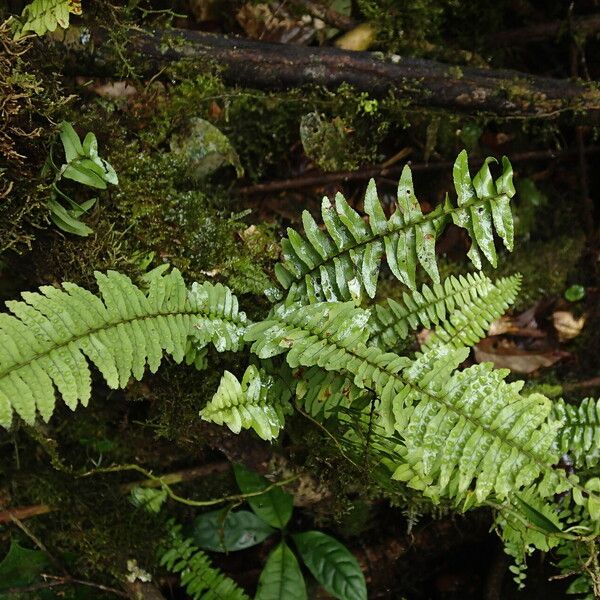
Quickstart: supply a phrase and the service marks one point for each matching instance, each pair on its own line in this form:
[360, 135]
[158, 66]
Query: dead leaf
[273, 23]
[505, 354]
[358, 39]
[513, 326]
[566, 325]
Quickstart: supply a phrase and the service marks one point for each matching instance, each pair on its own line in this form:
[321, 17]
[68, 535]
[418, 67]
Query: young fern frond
[50, 337]
[458, 428]
[259, 402]
[393, 320]
[342, 262]
[200, 579]
[470, 323]
[580, 431]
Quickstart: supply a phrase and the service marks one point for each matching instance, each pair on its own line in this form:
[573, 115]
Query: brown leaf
[273, 23]
[505, 354]
[567, 326]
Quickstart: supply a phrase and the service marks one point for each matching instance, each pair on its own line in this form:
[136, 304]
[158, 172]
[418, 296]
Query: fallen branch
[541, 32]
[338, 177]
[422, 83]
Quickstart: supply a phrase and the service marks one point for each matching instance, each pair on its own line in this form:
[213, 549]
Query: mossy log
[423, 83]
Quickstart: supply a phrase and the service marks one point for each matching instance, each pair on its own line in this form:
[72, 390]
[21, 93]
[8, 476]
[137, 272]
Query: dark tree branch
[318, 179]
[541, 32]
[422, 83]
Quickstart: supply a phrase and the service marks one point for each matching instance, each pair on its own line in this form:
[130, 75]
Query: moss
[31, 100]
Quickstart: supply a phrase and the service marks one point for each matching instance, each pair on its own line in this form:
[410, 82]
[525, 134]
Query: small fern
[200, 579]
[342, 263]
[580, 432]
[52, 335]
[259, 402]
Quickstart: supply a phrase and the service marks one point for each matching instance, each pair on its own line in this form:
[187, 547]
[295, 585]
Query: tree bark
[422, 83]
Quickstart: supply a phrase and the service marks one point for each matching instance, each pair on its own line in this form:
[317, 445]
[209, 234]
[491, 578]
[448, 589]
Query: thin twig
[26, 512]
[578, 385]
[57, 581]
[160, 482]
[37, 542]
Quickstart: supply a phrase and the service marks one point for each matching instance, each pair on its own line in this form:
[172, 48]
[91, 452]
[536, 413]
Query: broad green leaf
[70, 141]
[82, 173]
[21, 567]
[63, 220]
[332, 565]
[274, 506]
[281, 578]
[227, 531]
[90, 145]
[535, 517]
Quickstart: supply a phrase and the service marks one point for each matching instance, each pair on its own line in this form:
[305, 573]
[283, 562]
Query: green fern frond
[471, 321]
[200, 579]
[50, 337]
[458, 427]
[394, 320]
[580, 431]
[473, 426]
[342, 262]
[259, 402]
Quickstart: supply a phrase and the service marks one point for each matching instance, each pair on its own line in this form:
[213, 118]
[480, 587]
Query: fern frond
[342, 262]
[580, 431]
[471, 321]
[450, 300]
[200, 579]
[458, 427]
[259, 402]
[50, 337]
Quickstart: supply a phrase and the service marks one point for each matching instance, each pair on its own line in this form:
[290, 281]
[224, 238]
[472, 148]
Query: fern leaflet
[467, 325]
[259, 402]
[322, 393]
[342, 263]
[50, 337]
[448, 302]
